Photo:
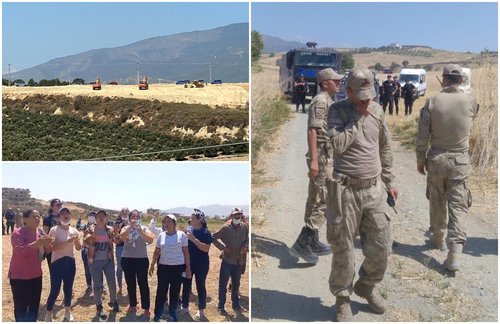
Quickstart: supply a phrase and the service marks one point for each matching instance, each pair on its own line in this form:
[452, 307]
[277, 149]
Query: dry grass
[229, 95]
[484, 136]
[83, 306]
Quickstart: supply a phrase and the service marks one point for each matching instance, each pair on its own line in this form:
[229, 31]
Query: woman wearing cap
[101, 261]
[87, 230]
[135, 261]
[173, 255]
[62, 268]
[121, 222]
[199, 244]
[25, 271]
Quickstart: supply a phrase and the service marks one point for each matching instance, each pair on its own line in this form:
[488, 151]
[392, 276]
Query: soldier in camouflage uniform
[446, 120]
[357, 193]
[307, 246]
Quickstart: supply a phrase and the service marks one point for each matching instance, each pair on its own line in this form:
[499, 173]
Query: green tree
[394, 65]
[379, 67]
[18, 81]
[257, 46]
[78, 81]
[405, 63]
[5, 82]
[32, 83]
[347, 61]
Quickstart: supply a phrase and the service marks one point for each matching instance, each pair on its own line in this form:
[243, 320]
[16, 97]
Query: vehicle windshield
[413, 78]
[314, 59]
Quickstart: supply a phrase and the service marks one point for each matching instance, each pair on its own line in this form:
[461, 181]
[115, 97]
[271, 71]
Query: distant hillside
[275, 44]
[186, 55]
[209, 210]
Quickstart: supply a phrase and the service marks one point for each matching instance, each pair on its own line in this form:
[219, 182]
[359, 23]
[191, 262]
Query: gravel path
[416, 286]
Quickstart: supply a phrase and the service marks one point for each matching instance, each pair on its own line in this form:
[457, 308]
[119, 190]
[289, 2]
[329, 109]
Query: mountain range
[275, 44]
[191, 55]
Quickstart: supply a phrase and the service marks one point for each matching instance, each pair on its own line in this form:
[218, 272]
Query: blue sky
[449, 26]
[34, 33]
[136, 185]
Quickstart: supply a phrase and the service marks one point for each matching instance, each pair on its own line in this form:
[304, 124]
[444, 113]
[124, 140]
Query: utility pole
[10, 78]
[137, 64]
[210, 67]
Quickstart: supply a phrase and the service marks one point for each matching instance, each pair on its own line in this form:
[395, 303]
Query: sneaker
[88, 290]
[199, 315]
[48, 316]
[68, 316]
[100, 311]
[116, 307]
[185, 310]
[222, 311]
[132, 309]
[147, 314]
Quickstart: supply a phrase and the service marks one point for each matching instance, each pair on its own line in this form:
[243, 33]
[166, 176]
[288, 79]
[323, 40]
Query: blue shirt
[196, 255]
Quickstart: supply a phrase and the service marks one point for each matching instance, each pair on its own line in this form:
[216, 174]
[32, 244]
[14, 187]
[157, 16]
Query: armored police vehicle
[307, 61]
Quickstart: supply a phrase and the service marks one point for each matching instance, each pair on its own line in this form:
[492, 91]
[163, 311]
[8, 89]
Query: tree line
[41, 83]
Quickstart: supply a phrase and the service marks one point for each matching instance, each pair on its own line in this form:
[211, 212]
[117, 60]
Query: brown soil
[83, 307]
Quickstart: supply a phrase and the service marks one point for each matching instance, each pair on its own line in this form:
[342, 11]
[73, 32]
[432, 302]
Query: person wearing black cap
[51, 220]
[389, 88]
[301, 89]
[446, 122]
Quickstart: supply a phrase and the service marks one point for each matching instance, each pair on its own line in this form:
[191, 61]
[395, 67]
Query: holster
[334, 200]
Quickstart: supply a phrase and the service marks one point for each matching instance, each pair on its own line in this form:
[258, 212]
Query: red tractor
[143, 85]
[97, 84]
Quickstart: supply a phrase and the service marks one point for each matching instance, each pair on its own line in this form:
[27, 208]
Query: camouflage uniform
[314, 215]
[359, 143]
[446, 119]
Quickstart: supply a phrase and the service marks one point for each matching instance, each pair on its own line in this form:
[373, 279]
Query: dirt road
[415, 285]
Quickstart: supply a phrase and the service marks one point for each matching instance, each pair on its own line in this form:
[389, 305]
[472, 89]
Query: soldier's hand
[313, 169]
[394, 193]
[421, 167]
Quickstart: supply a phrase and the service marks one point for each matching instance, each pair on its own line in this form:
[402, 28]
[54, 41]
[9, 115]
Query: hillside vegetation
[62, 128]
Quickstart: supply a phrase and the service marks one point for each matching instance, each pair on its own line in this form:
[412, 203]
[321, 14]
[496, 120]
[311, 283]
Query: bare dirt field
[83, 307]
[230, 95]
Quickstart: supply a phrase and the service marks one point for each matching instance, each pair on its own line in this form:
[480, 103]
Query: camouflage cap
[360, 81]
[328, 74]
[452, 69]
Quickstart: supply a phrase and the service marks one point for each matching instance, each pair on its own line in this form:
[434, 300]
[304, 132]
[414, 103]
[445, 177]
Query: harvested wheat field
[83, 307]
[230, 95]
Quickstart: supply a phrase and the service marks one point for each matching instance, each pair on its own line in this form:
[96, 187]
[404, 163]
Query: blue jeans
[234, 271]
[85, 259]
[61, 271]
[200, 272]
[108, 268]
[119, 270]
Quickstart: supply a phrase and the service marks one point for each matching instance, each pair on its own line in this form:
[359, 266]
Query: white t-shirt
[62, 235]
[171, 247]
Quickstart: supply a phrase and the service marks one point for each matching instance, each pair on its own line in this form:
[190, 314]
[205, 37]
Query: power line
[169, 151]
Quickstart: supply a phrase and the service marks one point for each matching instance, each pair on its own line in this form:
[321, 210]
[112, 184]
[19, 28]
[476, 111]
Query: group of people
[390, 92]
[179, 255]
[350, 178]
[11, 219]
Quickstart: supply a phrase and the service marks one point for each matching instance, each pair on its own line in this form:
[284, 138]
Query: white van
[465, 86]
[417, 77]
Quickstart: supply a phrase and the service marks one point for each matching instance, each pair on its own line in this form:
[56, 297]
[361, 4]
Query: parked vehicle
[465, 86]
[417, 77]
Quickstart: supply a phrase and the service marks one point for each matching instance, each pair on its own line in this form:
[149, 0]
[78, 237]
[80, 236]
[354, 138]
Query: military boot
[302, 247]
[375, 301]
[452, 261]
[438, 240]
[343, 307]
[317, 247]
